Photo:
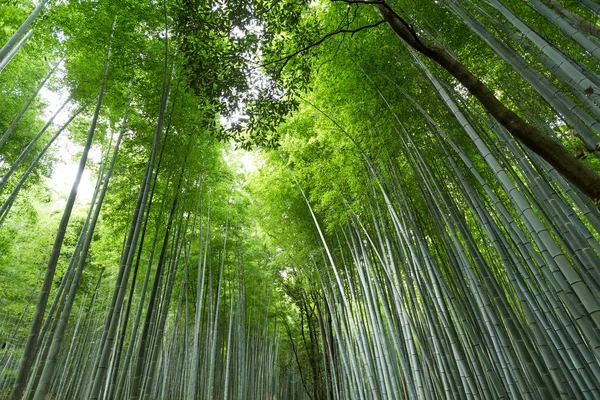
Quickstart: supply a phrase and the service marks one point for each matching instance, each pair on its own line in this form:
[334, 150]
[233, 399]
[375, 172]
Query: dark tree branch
[549, 148]
[381, 4]
[289, 332]
[287, 58]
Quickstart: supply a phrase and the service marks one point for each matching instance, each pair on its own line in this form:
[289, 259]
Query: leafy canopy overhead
[254, 58]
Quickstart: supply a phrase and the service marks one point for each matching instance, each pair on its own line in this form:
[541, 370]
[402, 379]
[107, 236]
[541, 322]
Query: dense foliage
[299, 200]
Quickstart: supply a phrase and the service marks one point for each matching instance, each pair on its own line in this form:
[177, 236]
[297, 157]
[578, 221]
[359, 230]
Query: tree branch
[287, 58]
[549, 148]
[380, 4]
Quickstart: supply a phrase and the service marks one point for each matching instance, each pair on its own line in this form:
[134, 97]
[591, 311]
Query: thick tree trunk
[550, 149]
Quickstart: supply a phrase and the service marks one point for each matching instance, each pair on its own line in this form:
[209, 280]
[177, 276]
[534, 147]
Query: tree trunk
[50, 367]
[16, 37]
[550, 149]
[30, 346]
[4, 62]
[28, 148]
[5, 207]
[11, 128]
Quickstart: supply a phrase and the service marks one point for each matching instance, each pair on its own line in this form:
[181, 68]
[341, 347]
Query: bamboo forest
[299, 199]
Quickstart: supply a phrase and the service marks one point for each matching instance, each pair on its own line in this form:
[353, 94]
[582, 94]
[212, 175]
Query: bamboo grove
[300, 200]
